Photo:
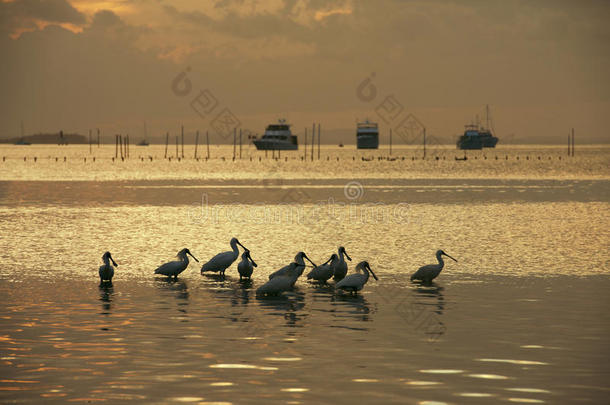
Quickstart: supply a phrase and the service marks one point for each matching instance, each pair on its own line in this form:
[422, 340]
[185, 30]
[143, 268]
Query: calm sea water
[521, 318]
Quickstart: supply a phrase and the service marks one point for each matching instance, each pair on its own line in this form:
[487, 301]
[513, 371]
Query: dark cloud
[443, 54]
[22, 14]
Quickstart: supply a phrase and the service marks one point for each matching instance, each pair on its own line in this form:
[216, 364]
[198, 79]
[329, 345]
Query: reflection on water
[521, 318]
[304, 345]
[106, 296]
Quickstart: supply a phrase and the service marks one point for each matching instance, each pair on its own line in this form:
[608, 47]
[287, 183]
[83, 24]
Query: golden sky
[73, 65]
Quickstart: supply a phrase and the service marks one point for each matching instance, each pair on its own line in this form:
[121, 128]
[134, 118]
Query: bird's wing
[168, 268]
[219, 262]
[353, 280]
[280, 272]
[423, 271]
[276, 284]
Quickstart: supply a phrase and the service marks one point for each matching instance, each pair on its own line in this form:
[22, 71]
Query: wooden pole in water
[240, 143]
[390, 141]
[313, 139]
[116, 146]
[572, 142]
[90, 142]
[98, 137]
[127, 145]
[196, 143]
[207, 141]
[166, 144]
[424, 142]
[318, 141]
[569, 145]
[177, 155]
[305, 155]
[182, 134]
[234, 141]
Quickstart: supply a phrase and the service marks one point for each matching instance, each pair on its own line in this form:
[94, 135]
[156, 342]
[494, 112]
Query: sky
[542, 66]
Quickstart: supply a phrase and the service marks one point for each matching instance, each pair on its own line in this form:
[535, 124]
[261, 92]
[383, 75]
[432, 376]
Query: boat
[478, 137]
[277, 137]
[367, 135]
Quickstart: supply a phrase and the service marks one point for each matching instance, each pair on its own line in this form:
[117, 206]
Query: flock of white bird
[285, 278]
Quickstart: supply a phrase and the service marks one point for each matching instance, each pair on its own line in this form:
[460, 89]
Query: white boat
[277, 137]
[367, 135]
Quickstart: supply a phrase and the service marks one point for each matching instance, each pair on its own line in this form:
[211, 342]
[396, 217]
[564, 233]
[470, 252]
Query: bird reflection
[287, 305]
[106, 296]
[357, 306]
[178, 287]
[240, 293]
[432, 294]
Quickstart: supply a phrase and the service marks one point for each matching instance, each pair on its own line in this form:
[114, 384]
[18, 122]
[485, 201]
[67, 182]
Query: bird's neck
[106, 261]
[439, 257]
[184, 257]
[299, 260]
[341, 256]
[235, 248]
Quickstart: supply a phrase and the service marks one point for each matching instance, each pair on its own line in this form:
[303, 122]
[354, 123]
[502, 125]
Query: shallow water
[506, 161]
[487, 339]
[521, 318]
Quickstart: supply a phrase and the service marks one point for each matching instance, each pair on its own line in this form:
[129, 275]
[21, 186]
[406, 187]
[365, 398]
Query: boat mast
[487, 116]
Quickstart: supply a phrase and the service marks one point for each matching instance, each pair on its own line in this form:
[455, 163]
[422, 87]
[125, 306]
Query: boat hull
[476, 142]
[270, 145]
[368, 142]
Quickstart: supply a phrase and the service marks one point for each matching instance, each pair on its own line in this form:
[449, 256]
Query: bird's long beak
[346, 255]
[309, 260]
[245, 248]
[252, 260]
[450, 257]
[372, 272]
[190, 254]
[328, 261]
[113, 262]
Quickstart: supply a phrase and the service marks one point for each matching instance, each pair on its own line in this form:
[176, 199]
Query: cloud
[265, 58]
[19, 16]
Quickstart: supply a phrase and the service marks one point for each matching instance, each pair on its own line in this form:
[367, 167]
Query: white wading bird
[244, 267]
[298, 259]
[283, 282]
[222, 261]
[340, 268]
[429, 272]
[176, 267]
[107, 271]
[356, 281]
[324, 271]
